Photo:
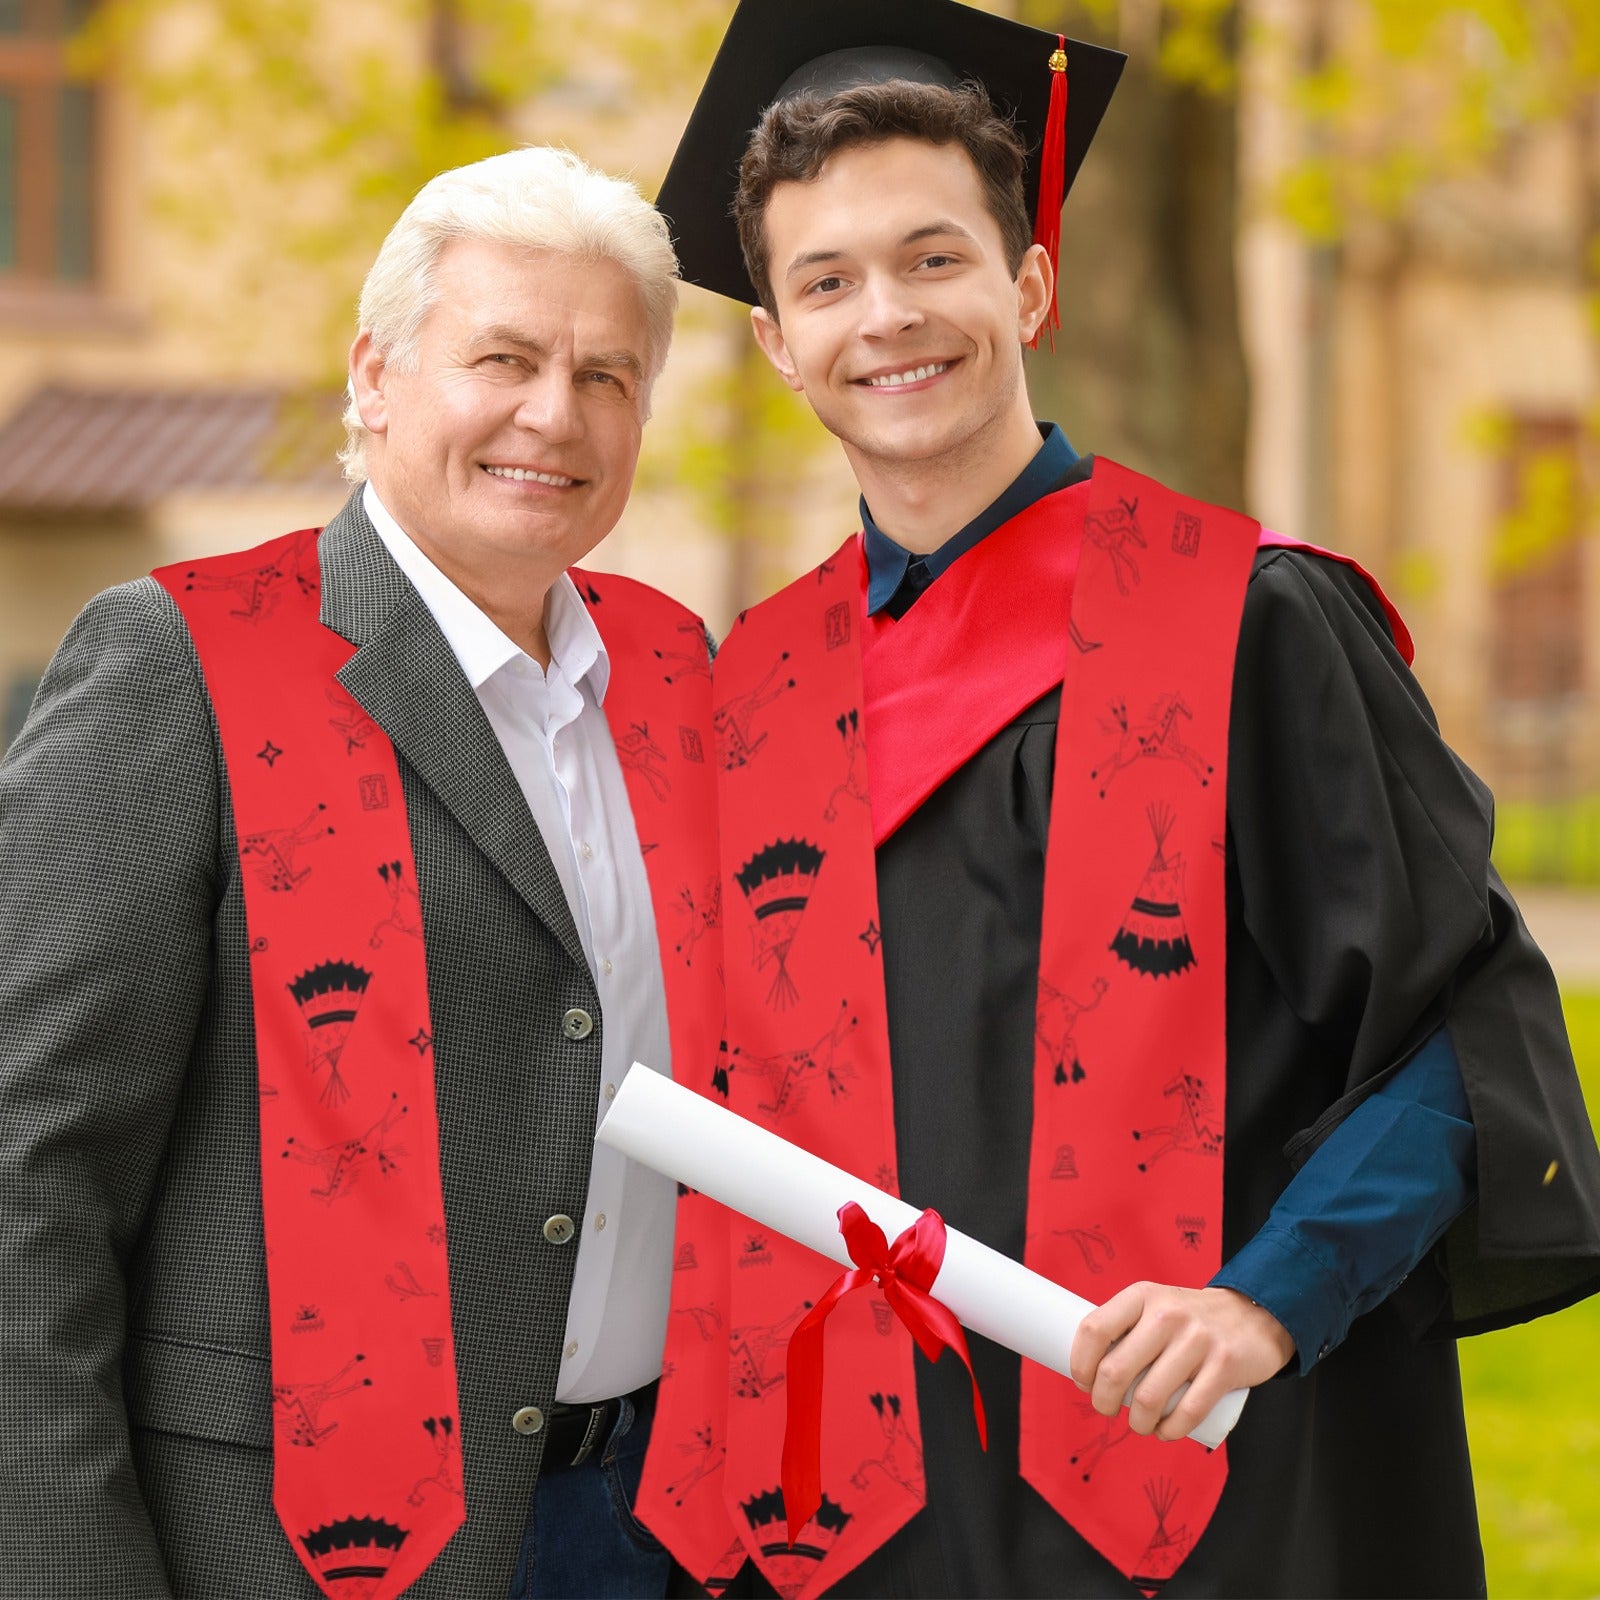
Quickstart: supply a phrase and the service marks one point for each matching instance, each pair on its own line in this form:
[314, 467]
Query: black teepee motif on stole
[1153, 939]
[1168, 1547]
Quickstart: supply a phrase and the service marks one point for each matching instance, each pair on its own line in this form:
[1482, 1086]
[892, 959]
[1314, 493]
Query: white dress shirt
[550, 724]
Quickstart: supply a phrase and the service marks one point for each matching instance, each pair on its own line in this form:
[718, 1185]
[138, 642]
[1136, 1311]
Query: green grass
[1533, 1416]
[1556, 842]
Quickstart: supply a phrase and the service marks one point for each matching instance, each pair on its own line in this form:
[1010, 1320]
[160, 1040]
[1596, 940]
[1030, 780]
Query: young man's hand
[1213, 1339]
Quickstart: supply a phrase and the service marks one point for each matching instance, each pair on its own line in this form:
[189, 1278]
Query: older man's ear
[366, 381]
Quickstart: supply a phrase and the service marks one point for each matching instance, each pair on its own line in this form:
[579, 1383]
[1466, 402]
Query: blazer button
[559, 1229]
[577, 1024]
[530, 1419]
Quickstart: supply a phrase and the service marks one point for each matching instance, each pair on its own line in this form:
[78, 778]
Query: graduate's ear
[367, 372]
[774, 347]
[1036, 282]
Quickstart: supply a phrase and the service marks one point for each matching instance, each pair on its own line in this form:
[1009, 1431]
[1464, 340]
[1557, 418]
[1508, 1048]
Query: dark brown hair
[796, 137]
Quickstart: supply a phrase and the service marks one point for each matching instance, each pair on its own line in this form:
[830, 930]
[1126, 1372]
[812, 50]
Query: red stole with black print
[368, 1459]
[833, 727]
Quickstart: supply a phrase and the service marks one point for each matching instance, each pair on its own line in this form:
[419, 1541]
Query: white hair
[536, 197]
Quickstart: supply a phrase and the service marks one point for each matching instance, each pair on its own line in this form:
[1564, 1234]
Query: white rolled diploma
[676, 1132]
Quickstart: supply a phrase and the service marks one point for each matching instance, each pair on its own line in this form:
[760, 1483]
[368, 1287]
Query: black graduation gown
[1362, 912]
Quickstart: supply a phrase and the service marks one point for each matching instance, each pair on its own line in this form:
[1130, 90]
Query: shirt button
[559, 1229]
[588, 851]
[606, 967]
[577, 1023]
[530, 1419]
[571, 1350]
[600, 1223]
[611, 1091]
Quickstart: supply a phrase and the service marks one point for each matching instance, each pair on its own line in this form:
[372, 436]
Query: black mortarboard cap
[777, 48]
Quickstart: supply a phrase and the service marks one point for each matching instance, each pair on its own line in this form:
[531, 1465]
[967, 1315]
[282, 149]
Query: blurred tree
[295, 131]
[1149, 312]
[1402, 95]
[744, 447]
[302, 128]
[1407, 102]
[1394, 99]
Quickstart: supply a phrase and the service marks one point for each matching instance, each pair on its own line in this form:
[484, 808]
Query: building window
[1537, 564]
[1538, 600]
[48, 136]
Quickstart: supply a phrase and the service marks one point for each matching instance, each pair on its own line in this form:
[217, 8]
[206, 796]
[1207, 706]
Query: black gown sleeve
[1359, 854]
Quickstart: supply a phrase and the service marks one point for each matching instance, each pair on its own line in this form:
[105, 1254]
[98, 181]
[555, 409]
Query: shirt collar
[477, 641]
[887, 562]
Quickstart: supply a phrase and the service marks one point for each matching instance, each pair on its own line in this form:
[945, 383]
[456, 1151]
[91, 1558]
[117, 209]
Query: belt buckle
[590, 1435]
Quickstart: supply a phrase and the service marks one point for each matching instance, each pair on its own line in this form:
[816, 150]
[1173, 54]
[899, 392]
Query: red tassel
[1052, 182]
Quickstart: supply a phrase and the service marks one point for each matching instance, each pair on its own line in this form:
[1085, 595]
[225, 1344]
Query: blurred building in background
[173, 326]
[188, 201]
[1426, 396]
[123, 444]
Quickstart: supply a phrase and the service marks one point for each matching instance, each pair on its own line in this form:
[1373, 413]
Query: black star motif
[872, 937]
[269, 752]
[420, 1041]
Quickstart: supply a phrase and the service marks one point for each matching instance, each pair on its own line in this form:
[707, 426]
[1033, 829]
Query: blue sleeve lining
[1367, 1206]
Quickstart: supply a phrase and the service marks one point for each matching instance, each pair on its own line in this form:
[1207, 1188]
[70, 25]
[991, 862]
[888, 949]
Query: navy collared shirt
[895, 575]
[1380, 1191]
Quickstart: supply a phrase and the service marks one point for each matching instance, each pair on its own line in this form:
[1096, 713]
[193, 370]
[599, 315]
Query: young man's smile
[903, 380]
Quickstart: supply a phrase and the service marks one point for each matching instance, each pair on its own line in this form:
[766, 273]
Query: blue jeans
[582, 1541]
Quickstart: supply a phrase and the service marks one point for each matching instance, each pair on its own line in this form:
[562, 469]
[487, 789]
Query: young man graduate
[1094, 874]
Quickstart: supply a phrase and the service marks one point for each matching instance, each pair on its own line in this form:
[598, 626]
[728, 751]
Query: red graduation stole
[368, 1463]
[833, 727]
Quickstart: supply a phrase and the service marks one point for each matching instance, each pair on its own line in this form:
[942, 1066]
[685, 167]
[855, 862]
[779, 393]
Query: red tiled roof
[92, 450]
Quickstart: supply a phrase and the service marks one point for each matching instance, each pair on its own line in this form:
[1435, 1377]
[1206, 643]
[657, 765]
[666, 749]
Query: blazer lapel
[407, 679]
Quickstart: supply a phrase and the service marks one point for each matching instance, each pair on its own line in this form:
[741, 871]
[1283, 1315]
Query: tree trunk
[1148, 365]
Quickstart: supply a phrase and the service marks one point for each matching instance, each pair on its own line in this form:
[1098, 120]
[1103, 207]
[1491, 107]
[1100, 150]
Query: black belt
[573, 1433]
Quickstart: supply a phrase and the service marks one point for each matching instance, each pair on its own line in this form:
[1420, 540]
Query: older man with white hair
[340, 880]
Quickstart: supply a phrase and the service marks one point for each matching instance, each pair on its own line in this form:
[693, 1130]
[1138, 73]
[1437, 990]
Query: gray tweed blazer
[136, 1456]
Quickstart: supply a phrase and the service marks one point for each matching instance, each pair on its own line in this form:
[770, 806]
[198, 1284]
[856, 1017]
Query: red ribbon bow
[905, 1271]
